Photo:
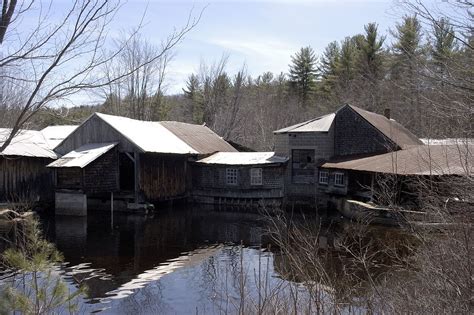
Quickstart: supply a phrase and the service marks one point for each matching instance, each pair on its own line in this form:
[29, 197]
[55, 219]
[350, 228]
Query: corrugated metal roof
[389, 127]
[55, 134]
[167, 137]
[243, 158]
[29, 143]
[84, 155]
[320, 124]
[200, 138]
[416, 160]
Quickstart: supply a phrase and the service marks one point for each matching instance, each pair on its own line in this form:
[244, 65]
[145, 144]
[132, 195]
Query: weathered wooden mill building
[348, 133]
[239, 178]
[401, 176]
[136, 160]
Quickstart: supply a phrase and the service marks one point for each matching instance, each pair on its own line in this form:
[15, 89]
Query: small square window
[323, 177]
[256, 176]
[231, 176]
[339, 179]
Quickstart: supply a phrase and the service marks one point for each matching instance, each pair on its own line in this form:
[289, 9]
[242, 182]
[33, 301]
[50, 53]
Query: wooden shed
[23, 174]
[239, 178]
[139, 160]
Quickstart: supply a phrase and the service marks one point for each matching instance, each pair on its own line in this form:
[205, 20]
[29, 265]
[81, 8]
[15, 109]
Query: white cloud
[263, 53]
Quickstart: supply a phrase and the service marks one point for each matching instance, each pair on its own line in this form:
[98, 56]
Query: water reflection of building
[139, 249]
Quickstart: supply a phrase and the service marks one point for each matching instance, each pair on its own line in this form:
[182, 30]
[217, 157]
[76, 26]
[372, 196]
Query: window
[303, 163]
[323, 177]
[231, 176]
[338, 179]
[255, 176]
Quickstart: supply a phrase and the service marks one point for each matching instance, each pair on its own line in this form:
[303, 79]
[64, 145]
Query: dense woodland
[422, 70]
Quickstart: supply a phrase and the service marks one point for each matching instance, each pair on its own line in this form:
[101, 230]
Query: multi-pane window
[338, 179]
[255, 176]
[323, 177]
[231, 176]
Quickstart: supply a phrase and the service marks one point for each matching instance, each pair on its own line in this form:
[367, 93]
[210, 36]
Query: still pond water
[175, 261]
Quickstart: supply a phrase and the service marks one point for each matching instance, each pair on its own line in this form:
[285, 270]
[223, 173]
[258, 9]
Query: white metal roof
[448, 141]
[150, 136]
[243, 158]
[30, 143]
[320, 124]
[55, 134]
[83, 156]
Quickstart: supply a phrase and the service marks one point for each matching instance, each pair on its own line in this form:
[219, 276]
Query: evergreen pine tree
[329, 69]
[348, 60]
[303, 74]
[370, 53]
[444, 45]
[407, 49]
[408, 59]
[193, 93]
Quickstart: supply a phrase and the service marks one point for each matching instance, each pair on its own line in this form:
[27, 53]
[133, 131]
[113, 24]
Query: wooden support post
[112, 210]
[136, 162]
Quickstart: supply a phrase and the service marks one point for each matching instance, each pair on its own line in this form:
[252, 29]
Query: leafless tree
[54, 61]
[138, 95]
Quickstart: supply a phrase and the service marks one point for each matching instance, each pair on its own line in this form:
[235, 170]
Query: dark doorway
[127, 172]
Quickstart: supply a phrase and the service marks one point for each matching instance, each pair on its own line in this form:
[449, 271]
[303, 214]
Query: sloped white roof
[150, 136]
[83, 156]
[448, 141]
[30, 143]
[243, 158]
[320, 124]
[55, 134]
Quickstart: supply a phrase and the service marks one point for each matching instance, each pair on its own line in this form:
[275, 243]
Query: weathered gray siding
[210, 180]
[69, 178]
[303, 186]
[215, 177]
[354, 135]
[321, 142]
[95, 130]
[281, 144]
[25, 179]
[101, 176]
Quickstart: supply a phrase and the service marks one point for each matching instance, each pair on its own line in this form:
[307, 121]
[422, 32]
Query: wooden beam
[136, 162]
[130, 156]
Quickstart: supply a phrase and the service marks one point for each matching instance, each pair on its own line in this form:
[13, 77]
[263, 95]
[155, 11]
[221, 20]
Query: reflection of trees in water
[139, 243]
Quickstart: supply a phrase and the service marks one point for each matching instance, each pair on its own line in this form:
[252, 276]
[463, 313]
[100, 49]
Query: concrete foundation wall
[70, 203]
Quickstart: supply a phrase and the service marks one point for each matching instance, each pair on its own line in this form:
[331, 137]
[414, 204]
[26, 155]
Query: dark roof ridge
[371, 117]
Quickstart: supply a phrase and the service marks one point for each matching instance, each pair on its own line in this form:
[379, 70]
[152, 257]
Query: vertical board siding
[94, 130]
[162, 177]
[25, 179]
